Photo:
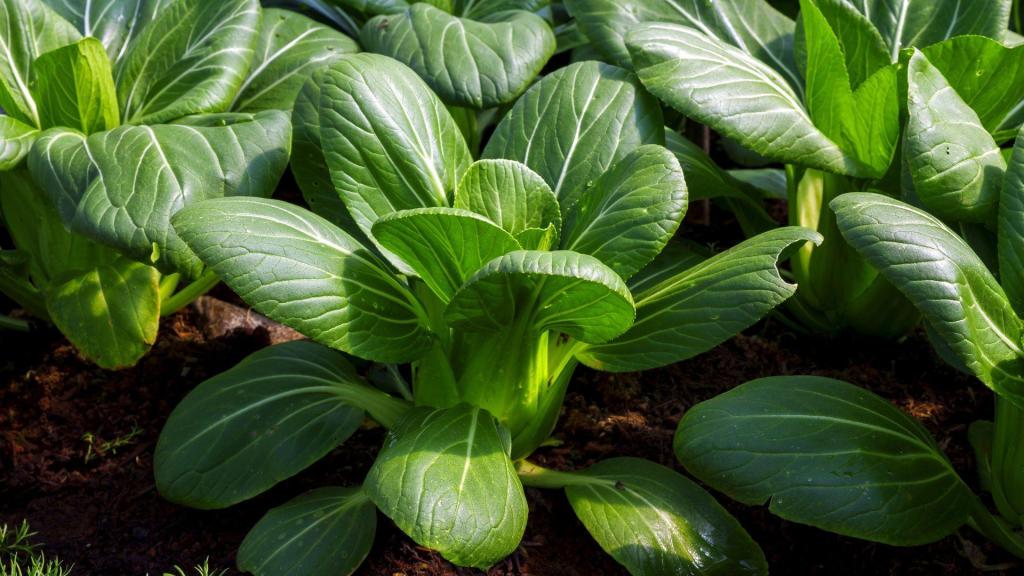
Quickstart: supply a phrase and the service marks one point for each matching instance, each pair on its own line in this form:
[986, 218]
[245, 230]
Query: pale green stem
[15, 324]
[189, 294]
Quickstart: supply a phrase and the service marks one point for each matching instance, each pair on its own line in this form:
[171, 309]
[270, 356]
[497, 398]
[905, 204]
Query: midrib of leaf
[129, 32]
[22, 87]
[307, 528]
[414, 308]
[781, 88]
[250, 407]
[952, 21]
[901, 20]
[469, 449]
[988, 321]
[145, 65]
[576, 136]
[665, 517]
[842, 422]
[267, 60]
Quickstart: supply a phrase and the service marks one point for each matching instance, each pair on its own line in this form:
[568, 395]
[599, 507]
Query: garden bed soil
[94, 504]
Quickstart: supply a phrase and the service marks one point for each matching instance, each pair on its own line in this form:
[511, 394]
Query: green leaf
[16, 140]
[374, 7]
[916, 23]
[139, 176]
[563, 291]
[750, 25]
[290, 47]
[510, 195]
[988, 77]
[388, 140]
[114, 22]
[477, 64]
[955, 164]
[733, 93]
[825, 453]
[538, 238]
[939, 273]
[297, 268]
[190, 59]
[1011, 229]
[244, 430]
[105, 304]
[704, 179]
[324, 532]
[74, 88]
[445, 246]
[28, 28]
[681, 313]
[309, 167]
[110, 311]
[631, 211]
[863, 48]
[864, 123]
[574, 124]
[445, 478]
[655, 521]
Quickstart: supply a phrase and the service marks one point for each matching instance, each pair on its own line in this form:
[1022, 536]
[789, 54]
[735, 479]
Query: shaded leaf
[683, 312]
[1011, 229]
[563, 291]
[938, 272]
[655, 521]
[244, 430]
[825, 453]
[324, 532]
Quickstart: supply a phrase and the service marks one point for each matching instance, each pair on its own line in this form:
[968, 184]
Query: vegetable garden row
[470, 207]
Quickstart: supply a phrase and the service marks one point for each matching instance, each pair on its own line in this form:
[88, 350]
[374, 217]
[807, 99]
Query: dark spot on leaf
[619, 485]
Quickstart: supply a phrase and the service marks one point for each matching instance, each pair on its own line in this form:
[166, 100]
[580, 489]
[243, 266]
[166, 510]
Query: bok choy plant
[826, 453]
[822, 97]
[492, 279]
[117, 114]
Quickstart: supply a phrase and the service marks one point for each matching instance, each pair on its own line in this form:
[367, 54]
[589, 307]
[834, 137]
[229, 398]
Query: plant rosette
[117, 114]
[826, 453]
[824, 99]
[492, 280]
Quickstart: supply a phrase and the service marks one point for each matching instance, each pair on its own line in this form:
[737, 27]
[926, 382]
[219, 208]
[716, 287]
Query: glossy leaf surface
[683, 312]
[562, 291]
[477, 64]
[445, 478]
[244, 430]
[297, 268]
[825, 453]
[574, 124]
[324, 532]
[655, 521]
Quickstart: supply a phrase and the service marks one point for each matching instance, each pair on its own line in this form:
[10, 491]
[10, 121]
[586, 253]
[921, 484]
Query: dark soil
[95, 506]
